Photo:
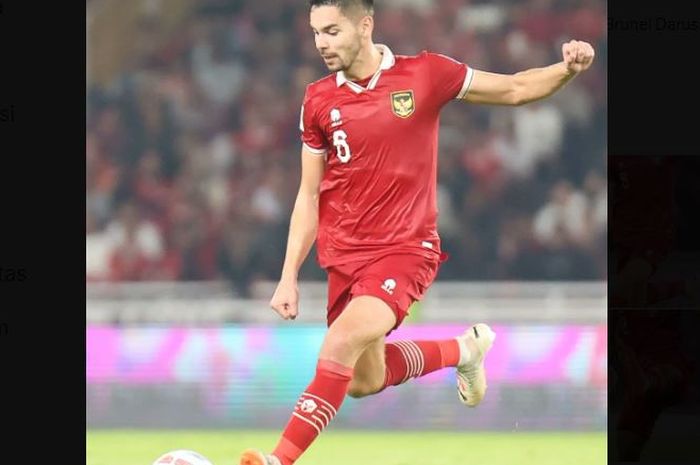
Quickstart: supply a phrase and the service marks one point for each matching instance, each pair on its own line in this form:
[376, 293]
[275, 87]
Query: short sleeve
[311, 134]
[450, 79]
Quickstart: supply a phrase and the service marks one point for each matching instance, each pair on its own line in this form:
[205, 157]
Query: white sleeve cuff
[467, 82]
[321, 151]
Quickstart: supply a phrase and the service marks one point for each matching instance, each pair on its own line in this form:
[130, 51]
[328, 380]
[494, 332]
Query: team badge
[402, 103]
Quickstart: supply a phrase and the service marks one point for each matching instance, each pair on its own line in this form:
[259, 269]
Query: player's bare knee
[342, 347]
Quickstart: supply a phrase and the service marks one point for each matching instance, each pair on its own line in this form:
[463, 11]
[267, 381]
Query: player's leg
[365, 320]
[399, 280]
[370, 369]
[390, 364]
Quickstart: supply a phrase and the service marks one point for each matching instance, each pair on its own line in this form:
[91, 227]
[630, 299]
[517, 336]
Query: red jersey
[378, 193]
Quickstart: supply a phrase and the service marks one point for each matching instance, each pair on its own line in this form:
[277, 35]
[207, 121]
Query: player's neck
[366, 64]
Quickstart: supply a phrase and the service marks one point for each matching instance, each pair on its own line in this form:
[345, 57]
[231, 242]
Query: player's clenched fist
[578, 55]
[285, 301]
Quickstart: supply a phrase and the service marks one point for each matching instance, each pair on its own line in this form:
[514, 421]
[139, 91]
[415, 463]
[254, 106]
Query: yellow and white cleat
[254, 457]
[474, 344]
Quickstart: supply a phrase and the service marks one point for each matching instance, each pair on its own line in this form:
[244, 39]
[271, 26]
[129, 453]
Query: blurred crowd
[193, 148]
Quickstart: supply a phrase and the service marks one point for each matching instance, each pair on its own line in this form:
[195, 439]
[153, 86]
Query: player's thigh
[363, 321]
[398, 280]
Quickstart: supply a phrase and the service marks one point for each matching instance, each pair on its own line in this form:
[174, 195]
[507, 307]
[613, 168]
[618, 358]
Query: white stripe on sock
[406, 358]
[326, 417]
[325, 402]
[308, 421]
[420, 357]
[416, 356]
[319, 420]
[412, 356]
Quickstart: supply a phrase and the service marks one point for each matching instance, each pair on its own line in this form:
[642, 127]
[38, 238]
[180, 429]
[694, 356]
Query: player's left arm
[532, 84]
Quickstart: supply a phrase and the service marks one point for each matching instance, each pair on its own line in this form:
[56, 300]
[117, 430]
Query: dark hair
[346, 5]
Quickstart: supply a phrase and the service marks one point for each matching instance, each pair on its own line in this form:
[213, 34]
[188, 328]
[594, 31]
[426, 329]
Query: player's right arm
[452, 79]
[532, 84]
[302, 233]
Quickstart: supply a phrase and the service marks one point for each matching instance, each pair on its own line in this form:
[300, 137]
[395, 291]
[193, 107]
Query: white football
[182, 457]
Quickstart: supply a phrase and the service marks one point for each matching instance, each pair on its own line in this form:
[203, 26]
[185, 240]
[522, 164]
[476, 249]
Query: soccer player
[369, 136]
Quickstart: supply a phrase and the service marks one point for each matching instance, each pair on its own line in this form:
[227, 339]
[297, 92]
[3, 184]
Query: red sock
[314, 410]
[412, 359]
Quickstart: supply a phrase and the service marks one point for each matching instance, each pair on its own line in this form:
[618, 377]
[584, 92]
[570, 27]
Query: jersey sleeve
[311, 134]
[450, 79]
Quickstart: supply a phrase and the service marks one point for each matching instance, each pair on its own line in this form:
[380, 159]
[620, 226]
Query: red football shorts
[398, 279]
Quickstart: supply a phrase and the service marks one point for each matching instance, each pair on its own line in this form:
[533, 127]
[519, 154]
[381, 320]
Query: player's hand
[577, 55]
[285, 300]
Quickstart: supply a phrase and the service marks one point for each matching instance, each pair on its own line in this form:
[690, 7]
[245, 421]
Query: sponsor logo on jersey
[389, 286]
[402, 103]
[335, 118]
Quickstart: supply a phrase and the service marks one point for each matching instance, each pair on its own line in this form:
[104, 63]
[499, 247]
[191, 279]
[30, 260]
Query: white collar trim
[388, 60]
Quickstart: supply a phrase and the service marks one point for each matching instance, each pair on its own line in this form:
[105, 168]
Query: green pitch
[222, 447]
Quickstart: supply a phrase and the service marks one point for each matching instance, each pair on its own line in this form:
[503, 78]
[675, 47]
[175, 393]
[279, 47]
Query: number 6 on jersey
[341, 145]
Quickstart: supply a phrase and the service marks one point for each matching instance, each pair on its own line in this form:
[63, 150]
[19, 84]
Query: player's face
[338, 39]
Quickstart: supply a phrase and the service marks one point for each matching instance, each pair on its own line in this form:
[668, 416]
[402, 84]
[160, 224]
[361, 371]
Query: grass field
[125, 447]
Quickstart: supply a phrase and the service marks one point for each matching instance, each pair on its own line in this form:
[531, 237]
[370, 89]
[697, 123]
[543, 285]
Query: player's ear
[366, 26]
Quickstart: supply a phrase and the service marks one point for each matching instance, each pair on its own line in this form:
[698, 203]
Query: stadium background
[192, 169]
